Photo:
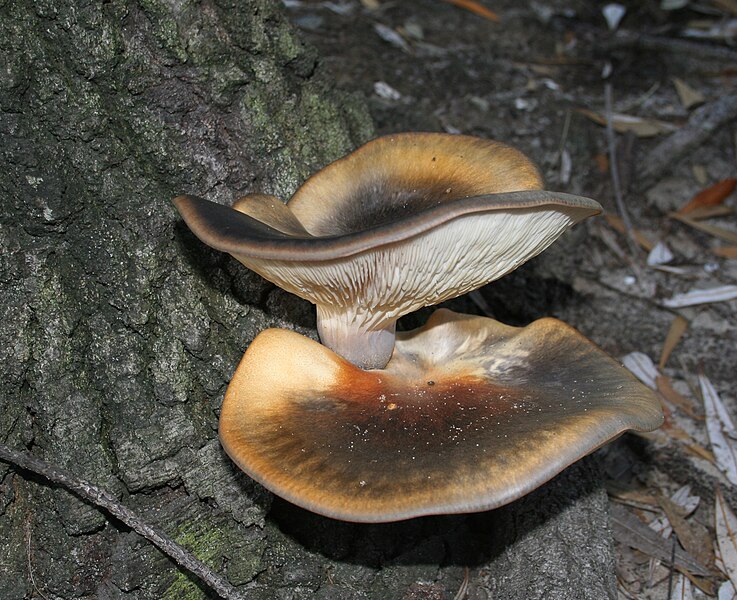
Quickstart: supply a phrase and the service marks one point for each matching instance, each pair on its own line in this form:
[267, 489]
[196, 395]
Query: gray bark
[119, 330]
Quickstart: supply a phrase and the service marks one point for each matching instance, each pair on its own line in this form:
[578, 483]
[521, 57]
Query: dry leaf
[618, 225]
[637, 498]
[721, 431]
[686, 504]
[371, 4]
[693, 537]
[711, 196]
[726, 251]
[682, 590]
[693, 297]
[665, 388]
[628, 123]
[727, 591]
[707, 212]
[642, 367]
[629, 530]
[476, 8]
[719, 232]
[675, 333]
[726, 526]
[706, 585]
[687, 95]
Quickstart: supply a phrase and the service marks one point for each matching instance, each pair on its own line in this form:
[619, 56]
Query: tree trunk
[120, 330]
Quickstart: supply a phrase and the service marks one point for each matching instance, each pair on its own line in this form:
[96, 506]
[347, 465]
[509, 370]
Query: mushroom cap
[405, 221]
[468, 415]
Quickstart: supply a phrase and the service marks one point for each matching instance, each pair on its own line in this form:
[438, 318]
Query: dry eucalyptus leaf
[476, 8]
[629, 530]
[682, 590]
[666, 389]
[675, 333]
[727, 591]
[642, 367]
[726, 526]
[714, 230]
[693, 297]
[617, 224]
[692, 536]
[720, 429]
[627, 123]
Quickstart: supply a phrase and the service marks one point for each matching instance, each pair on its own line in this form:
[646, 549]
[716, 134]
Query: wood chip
[629, 530]
[726, 527]
[675, 333]
[711, 196]
[720, 429]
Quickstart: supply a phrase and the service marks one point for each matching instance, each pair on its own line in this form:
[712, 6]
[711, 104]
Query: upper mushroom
[405, 221]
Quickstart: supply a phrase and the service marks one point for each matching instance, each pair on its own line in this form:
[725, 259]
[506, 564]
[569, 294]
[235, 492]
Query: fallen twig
[702, 123]
[106, 501]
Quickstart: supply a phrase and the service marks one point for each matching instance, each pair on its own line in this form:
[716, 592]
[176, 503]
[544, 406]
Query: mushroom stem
[365, 348]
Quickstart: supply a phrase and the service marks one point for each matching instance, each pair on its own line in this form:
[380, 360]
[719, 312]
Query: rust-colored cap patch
[468, 415]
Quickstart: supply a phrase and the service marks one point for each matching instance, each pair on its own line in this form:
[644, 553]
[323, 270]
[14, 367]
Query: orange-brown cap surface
[468, 415]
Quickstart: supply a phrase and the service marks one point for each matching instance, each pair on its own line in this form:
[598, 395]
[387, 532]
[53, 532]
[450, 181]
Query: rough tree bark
[119, 331]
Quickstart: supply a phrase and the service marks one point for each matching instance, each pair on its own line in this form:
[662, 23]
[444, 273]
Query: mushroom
[405, 221]
[468, 415]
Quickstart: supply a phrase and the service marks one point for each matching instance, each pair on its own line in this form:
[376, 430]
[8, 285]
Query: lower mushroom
[468, 415]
